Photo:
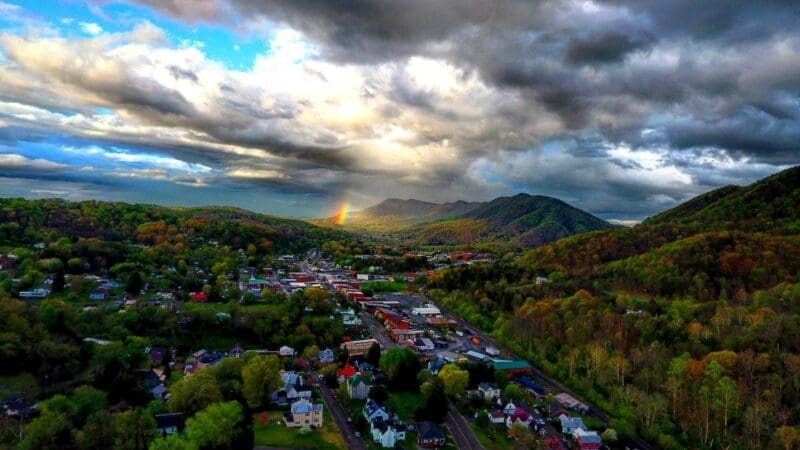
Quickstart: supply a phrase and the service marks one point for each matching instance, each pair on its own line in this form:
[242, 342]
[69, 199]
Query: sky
[623, 108]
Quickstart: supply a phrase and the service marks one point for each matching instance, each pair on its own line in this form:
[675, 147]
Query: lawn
[404, 404]
[384, 286]
[494, 437]
[276, 434]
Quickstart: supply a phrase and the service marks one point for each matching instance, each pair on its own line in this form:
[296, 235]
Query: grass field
[276, 434]
[404, 404]
[494, 437]
[384, 286]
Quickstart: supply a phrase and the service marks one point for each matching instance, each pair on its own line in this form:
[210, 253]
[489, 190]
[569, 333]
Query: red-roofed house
[344, 373]
[521, 416]
[198, 297]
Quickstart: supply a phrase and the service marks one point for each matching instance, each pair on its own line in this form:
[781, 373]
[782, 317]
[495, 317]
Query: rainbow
[341, 213]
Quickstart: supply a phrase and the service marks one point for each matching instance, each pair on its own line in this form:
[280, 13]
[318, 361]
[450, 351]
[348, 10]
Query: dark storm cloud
[606, 47]
[750, 132]
[690, 81]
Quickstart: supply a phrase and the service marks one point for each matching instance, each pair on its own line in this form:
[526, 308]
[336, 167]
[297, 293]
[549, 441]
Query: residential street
[459, 427]
[460, 430]
[340, 417]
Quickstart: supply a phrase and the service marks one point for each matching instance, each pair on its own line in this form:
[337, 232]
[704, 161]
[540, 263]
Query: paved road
[462, 433]
[340, 417]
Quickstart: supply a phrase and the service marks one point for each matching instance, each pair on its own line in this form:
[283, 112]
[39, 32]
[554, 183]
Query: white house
[509, 409]
[489, 391]
[387, 434]
[374, 411]
[286, 351]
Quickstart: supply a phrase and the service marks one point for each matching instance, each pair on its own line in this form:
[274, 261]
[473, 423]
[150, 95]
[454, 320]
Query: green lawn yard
[276, 434]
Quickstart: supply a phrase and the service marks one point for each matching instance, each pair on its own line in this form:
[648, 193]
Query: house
[519, 416]
[36, 293]
[497, 417]
[356, 348]
[236, 351]
[157, 355]
[529, 384]
[570, 424]
[344, 373]
[587, 440]
[303, 413]
[97, 296]
[554, 410]
[513, 368]
[373, 411]
[427, 310]
[350, 320]
[489, 391]
[298, 391]
[509, 409]
[364, 366]
[429, 435]
[326, 356]
[286, 351]
[159, 392]
[168, 424]
[571, 402]
[18, 407]
[290, 377]
[198, 297]
[435, 365]
[358, 386]
[424, 344]
[387, 433]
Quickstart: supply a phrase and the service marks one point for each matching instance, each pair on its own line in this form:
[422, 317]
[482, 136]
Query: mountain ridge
[521, 220]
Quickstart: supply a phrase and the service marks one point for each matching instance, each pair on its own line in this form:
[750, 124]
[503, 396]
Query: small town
[407, 373]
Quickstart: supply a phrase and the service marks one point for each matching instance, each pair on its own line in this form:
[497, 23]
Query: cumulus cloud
[14, 161]
[619, 107]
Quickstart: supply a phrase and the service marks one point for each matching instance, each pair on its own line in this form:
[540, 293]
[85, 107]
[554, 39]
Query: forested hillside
[685, 328]
[520, 221]
[85, 361]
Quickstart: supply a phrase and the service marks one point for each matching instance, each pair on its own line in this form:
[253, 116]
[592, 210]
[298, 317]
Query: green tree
[134, 429]
[98, 432]
[501, 379]
[195, 392]
[482, 418]
[50, 431]
[173, 442]
[454, 378]
[435, 401]
[401, 366]
[512, 392]
[135, 283]
[260, 376]
[217, 426]
[373, 355]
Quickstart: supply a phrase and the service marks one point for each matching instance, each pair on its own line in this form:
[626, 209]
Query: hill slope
[27, 221]
[668, 310]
